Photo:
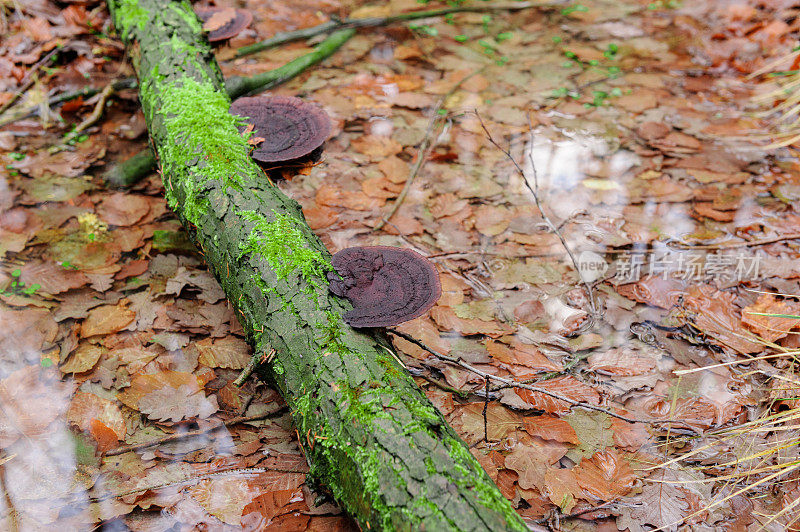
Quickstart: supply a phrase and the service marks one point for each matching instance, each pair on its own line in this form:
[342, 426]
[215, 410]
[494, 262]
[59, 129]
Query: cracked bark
[369, 433]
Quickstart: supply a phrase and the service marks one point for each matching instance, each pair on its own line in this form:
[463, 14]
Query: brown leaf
[175, 404]
[224, 498]
[566, 386]
[107, 319]
[551, 428]
[605, 476]
[123, 208]
[622, 361]
[395, 169]
[82, 359]
[561, 487]
[229, 352]
[26, 331]
[716, 314]
[447, 319]
[520, 354]
[499, 420]
[376, 147]
[31, 402]
[142, 385]
[319, 216]
[52, 278]
[88, 407]
[771, 328]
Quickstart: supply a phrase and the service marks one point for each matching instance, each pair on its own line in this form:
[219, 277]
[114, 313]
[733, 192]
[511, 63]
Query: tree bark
[369, 433]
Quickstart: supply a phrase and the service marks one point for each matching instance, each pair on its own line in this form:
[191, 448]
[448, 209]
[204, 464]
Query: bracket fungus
[386, 285]
[223, 22]
[291, 128]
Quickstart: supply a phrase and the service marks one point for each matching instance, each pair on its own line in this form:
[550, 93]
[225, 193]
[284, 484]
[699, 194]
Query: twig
[514, 384]
[195, 479]
[89, 121]
[183, 435]
[29, 79]
[239, 86]
[485, 411]
[422, 152]
[255, 360]
[534, 190]
[87, 92]
[733, 245]
[371, 22]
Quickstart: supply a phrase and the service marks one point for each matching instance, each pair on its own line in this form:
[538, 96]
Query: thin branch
[30, 78]
[86, 92]
[422, 152]
[89, 121]
[195, 479]
[514, 384]
[734, 245]
[372, 22]
[184, 435]
[534, 190]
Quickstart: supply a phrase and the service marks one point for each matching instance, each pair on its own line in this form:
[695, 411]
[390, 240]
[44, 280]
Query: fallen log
[369, 433]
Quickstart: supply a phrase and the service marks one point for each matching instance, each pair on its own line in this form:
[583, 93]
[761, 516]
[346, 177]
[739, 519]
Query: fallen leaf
[566, 386]
[499, 420]
[107, 319]
[551, 428]
[123, 208]
[175, 404]
[229, 352]
[605, 476]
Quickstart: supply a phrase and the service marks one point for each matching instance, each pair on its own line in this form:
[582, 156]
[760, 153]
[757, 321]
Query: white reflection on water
[39, 476]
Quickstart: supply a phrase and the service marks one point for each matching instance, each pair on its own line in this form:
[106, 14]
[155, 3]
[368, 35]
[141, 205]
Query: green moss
[214, 144]
[473, 477]
[187, 15]
[130, 13]
[284, 245]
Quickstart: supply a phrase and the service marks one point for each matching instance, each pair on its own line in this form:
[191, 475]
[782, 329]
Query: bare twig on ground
[184, 435]
[372, 22]
[514, 384]
[734, 245]
[87, 92]
[422, 152]
[251, 367]
[89, 121]
[195, 479]
[534, 190]
[29, 79]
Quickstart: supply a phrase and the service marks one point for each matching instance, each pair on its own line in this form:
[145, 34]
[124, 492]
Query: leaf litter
[635, 117]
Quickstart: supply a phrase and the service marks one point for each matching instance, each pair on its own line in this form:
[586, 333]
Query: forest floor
[118, 351]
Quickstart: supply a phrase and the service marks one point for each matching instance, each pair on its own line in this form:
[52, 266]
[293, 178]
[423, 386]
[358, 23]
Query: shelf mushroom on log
[386, 285]
[286, 128]
[222, 23]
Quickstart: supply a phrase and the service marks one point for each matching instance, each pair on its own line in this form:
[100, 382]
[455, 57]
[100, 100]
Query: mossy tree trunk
[369, 433]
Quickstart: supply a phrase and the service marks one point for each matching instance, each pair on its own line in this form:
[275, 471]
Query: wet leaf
[107, 319]
[228, 352]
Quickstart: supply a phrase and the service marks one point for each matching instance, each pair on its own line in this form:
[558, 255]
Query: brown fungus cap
[291, 127]
[386, 285]
[225, 22]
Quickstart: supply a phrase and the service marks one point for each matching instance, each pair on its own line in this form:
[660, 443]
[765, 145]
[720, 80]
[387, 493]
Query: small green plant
[424, 29]
[662, 4]
[17, 286]
[579, 8]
